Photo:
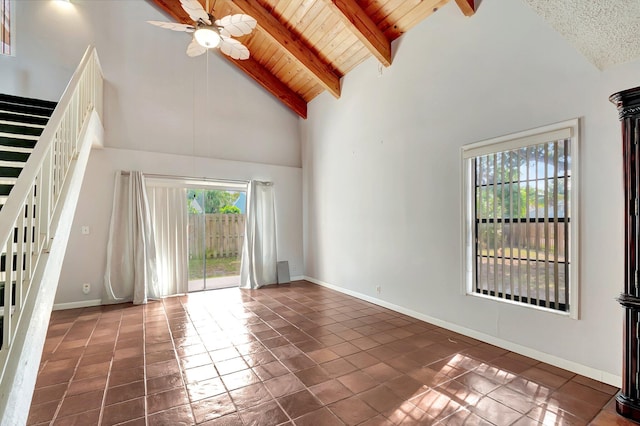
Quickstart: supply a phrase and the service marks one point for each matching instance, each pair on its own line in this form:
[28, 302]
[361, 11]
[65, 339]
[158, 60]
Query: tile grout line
[108, 378]
[75, 370]
[59, 406]
[187, 313]
[144, 363]
[176, 357]
[270, 350]
[285, 366]
[294, 321]
[175, 351]
[242, 357]
[277, 359]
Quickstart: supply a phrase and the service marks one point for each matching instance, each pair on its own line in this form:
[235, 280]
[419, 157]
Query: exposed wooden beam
[299, 51]
[250, 67]
[272, 84]
[418, 13]
[467, 7]
[364, 28]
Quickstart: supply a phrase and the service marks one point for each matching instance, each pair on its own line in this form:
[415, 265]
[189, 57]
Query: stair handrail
[39, 187]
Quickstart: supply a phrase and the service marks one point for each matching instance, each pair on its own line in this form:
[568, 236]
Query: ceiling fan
[209, 32]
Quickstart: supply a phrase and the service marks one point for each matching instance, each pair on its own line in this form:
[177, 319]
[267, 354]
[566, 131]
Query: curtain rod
[187, 178]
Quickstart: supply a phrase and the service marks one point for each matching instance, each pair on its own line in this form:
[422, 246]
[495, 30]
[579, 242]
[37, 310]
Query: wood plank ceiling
[301, 48]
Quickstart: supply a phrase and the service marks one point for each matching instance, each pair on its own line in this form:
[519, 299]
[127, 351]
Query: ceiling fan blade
[173, 26]
[234, 48]
[195, 10]
[195, 49]
[236, 25]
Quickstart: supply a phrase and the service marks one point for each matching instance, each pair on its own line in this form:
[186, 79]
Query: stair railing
[28, 218]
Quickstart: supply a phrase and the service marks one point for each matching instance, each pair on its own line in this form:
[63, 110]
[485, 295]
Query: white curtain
[131, 273]
[169, 215]
[259, 252]
[147, 248]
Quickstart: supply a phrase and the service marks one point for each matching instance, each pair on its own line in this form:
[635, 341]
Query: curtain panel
[259, 251]
[170, 219]
[147, 247]
[131, 272]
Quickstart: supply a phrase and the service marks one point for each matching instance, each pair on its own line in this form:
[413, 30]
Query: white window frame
[12, 29]
[530, 137]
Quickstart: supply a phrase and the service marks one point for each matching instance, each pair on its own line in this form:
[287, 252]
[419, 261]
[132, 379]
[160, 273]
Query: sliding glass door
[216, 234]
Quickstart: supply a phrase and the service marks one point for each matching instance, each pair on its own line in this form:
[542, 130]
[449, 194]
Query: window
[521, 218]
[6, 27]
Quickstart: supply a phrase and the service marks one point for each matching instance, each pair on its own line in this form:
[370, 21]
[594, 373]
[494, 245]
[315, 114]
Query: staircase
[22, 121]
[39, 190]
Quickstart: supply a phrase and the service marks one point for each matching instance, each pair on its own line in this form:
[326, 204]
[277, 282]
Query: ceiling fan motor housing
[207, 35]
[211, 33]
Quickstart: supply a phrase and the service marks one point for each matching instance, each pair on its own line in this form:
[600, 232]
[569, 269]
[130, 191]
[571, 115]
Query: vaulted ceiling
[604, 31]
[301, 48]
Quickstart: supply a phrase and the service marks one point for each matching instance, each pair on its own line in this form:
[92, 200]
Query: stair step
[23, 118]
[26, 109]
[27, 101]
[10, 172]
[13, 149]
[14, 156]
[20, 130]
[17, 142]
[5, 189]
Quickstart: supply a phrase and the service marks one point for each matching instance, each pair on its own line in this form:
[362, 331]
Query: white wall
[157, 99]
[165, 113]
[382, 175]
[86, 254]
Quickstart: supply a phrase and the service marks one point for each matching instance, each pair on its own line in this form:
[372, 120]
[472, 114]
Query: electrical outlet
[378, 289]
[86, 288]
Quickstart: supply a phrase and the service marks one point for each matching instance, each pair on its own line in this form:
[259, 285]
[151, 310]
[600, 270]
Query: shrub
[230, 210]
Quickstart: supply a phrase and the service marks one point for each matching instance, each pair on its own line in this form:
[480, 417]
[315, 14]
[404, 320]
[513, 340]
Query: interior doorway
[217, 214]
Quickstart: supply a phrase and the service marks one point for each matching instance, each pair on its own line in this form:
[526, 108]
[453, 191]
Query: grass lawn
[216, 267]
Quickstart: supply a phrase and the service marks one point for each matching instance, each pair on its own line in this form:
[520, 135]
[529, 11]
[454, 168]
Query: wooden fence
[529, 236]
[222, 237]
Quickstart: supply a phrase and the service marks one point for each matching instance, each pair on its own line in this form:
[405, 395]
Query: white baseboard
[298, 278]
[599, 375]
[75, 305]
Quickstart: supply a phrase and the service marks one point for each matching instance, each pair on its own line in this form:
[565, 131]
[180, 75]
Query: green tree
[515, 185]
[230, 210]
[211, 200]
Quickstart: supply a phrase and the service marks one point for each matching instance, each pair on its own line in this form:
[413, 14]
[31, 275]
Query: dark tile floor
[294, 354]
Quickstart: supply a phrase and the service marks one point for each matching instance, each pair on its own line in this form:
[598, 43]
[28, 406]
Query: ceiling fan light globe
[207, 37]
